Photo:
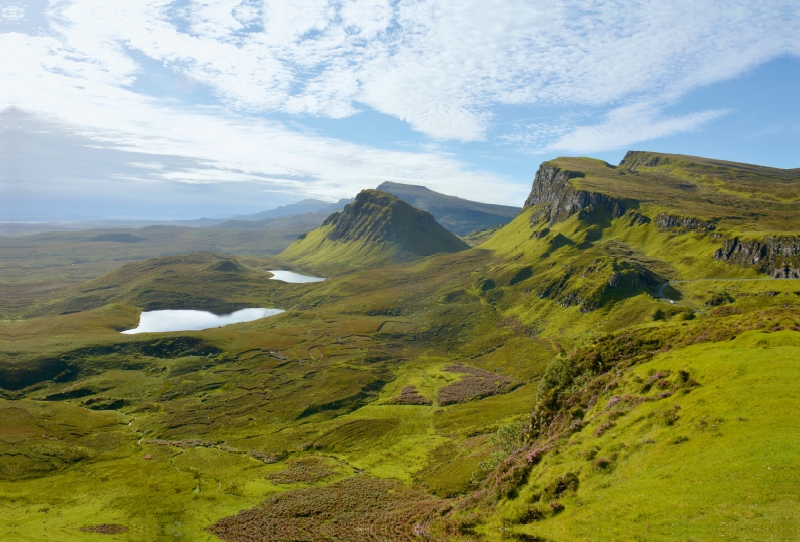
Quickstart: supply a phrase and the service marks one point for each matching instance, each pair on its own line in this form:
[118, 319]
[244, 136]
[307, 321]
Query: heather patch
[475, 384]
[104, 528]
[358, 509]
[308, 470]
[410, 396]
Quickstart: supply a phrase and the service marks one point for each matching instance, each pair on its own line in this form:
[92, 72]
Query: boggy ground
[191, 427]
[614, 414]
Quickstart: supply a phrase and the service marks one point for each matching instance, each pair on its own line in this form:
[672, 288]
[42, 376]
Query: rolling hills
[616, 363]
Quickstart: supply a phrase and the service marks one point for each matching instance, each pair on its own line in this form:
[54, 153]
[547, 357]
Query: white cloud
[440, 65]
[627, 125]
[12, 13]
[233, 147]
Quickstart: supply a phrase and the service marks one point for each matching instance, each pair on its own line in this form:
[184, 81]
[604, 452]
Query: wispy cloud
[619, 128]
[440, 65]
[444, 67]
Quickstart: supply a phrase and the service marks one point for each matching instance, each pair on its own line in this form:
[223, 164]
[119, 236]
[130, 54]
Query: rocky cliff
[458, 215]
[378, 217]
[377, 228]
[670, 222]
[557, 199]
[775, 256]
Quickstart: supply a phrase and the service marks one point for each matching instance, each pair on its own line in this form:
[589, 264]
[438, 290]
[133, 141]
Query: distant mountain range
[301, 207]
[308, 214]
[460, 216]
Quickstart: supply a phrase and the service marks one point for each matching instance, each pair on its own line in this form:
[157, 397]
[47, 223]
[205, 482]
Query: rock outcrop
[672, 222]
[376, 229]
[610, 278]
[557, 199]
[458, 215]
[378, 217]
[775, 256]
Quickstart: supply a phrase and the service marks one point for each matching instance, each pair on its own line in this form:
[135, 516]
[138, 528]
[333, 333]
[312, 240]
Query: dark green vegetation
[539, 386]
[460, 216]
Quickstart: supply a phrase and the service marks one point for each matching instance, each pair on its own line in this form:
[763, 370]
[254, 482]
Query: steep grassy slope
[661, 456]
[377, 228]
[671, 426]
[458, 215]
[539, 382]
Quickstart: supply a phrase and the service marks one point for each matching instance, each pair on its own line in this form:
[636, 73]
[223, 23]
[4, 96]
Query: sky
[159, 109]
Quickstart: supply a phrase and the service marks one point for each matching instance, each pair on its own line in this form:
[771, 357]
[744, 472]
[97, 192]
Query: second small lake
[189, 320]
[291, 276]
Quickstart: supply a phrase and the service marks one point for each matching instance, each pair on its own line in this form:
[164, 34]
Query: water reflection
[291, 276]
[189, 320]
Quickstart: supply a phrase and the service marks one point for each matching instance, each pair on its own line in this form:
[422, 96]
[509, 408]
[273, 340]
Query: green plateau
[617, 362]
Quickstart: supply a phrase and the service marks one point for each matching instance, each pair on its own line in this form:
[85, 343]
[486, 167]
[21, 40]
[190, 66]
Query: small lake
[188, 320]
[291, 276]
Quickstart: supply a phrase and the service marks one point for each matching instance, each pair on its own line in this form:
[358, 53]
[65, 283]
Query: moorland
[618, 362]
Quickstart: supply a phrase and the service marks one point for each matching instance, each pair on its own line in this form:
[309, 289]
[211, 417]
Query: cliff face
[378, 217]
[669, 222]
[376, 229]
[775, 256]
[557, 199]
[368, 218]
[458, 215]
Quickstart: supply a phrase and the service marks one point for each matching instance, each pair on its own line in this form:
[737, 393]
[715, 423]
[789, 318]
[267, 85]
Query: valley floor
[594, 372]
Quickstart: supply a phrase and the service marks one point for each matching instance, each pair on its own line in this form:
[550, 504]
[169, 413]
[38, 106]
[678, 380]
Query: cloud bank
[238, 69]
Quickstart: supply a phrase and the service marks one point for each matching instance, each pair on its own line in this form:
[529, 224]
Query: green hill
[458, 215]
[377, 228]
[616, 363]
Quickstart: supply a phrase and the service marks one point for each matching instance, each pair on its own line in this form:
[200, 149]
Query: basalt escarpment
[377, 228]
[776, 256]
[458, 215]
[557, 199]
[672, 222]
[379, 217]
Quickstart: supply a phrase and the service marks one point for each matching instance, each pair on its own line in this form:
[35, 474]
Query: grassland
[35, 267]
[709, 461]
[561, 397]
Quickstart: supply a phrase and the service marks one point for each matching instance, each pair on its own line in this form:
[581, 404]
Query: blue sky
[180, 109]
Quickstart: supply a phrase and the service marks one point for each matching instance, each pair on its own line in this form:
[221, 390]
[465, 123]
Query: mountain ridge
[461, 216]
[301, 207]
[376, 228]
